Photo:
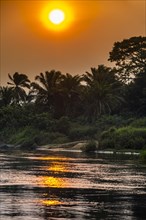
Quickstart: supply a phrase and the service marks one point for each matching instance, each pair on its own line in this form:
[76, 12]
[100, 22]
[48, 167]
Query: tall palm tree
[46, 89]
[102, 91]
[71, 90]
[6, 95]
[18, 83]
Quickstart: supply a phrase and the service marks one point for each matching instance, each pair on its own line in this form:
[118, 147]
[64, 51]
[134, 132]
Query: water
[72, 186]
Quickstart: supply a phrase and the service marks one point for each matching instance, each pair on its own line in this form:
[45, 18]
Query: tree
[136, 94]
[6, 96]
[129, 56]
[47, 89]
[18, 84]
[71, 90]
[102, 93]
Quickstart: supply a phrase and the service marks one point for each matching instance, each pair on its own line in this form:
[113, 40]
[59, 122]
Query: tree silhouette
[48, 88]
[18, 82]
[6, 96]
[136, 94]
[129, 56]
[71, 91]
[102, 91]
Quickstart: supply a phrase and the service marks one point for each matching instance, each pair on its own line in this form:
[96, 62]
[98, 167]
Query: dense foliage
[60, 107]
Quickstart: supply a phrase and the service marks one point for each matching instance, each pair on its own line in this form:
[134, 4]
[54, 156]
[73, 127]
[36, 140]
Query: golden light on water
[56, 16]
[57, 168]
[49, 181]
[50, 202]
[53, 182]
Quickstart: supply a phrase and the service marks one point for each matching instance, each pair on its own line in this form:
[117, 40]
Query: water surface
[72, 186]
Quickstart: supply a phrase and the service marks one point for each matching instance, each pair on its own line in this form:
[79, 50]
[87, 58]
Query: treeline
[120, 90]
[103, 90]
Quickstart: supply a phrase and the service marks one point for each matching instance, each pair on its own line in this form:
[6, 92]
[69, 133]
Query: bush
[125, 137]
[91, 146]
[81, 132]
[139, 123]
[107, 121]
[28, 145]
[26, 134]
[107, 143]
[63, 125]
[108, 133]
[61, 139]
[43, 121]
[50, 138]
[143, 155]
[107, 138]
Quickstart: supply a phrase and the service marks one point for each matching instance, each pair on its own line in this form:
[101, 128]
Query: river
[69, 185]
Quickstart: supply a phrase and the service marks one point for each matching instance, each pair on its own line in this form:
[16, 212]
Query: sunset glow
[56, 16]
[33, 42]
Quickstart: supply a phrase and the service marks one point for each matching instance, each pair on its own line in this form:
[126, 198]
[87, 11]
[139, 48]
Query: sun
[56, 16]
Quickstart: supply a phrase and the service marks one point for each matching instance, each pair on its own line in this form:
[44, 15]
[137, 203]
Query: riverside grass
[124, 138]
[143, 155]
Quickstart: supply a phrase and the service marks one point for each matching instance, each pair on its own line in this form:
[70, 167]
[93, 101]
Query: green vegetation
[104, 104]
[125, 137]
[91, 146]
[143, 155]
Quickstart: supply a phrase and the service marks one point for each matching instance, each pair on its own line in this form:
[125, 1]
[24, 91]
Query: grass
[143, 155]
[125, 137]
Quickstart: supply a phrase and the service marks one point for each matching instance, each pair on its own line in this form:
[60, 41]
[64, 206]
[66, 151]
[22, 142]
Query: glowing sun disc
[56, 16]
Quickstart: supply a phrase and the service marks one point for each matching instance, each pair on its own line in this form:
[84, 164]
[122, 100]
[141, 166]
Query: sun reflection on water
[57, 168]
[50, 202]
[53, 182]
[50, 181]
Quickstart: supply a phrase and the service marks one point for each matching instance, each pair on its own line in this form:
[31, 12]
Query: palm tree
[71, 90]
[102, 91]
[18, 83]
[47, 89]
[6, 96]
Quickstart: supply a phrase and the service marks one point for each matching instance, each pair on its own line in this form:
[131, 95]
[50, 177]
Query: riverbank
[111, 132]
[73, 147]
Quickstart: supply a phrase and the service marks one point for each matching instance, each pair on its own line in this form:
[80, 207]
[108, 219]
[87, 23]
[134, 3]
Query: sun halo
[57, 17]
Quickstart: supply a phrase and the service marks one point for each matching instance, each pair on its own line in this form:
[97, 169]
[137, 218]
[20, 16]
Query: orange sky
[27, 46]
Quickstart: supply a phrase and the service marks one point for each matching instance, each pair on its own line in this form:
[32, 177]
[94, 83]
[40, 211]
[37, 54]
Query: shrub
[90, 146]
[143, 155]
[81, 132]
[139, 123]
[26, 134]
[63, 125]
[107, 138]
[107, 121]
[50, 138]
[125, 137]
[61, 139]
[42, 138]
[108, 133]
[43, 121]
[107, 143]
[28, 145]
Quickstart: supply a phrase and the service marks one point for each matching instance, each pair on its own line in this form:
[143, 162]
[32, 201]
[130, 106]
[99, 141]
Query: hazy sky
[29, 45]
